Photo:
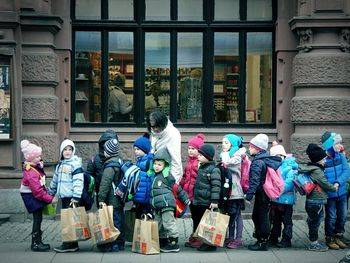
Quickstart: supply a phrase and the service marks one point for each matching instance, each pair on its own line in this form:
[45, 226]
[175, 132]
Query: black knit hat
[208, 151]
[315, 153]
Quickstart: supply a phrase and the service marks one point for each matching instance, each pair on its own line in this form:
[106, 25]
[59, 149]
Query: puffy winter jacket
[288, 169]
[257, 173]
[189, 178]
[208, 185]
[337, 171]
[145, 162]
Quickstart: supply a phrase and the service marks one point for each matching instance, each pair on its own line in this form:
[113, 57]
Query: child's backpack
[245, 168]
[129, 180]
[303, 183]
[274, 184]
[226, 184]
[180, 206]
[88, 194]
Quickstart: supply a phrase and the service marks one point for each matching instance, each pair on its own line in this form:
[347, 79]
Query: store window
[5, 98]
[203, 63]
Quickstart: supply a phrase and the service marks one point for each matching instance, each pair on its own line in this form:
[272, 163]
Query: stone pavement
[15, 247]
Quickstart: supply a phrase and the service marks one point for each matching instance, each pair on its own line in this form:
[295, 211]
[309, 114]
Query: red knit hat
[197, 141]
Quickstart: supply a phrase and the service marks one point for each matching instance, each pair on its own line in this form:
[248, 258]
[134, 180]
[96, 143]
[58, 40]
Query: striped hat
[111, 147]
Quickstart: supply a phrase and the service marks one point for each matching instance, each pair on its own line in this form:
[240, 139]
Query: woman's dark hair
[159, 119]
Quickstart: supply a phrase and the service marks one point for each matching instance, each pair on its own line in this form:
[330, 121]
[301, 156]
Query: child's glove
[54, 200]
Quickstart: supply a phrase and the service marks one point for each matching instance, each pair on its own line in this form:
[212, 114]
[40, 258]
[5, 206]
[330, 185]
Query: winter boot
[190, 241]
[330, 242]
[172, 245]
[41, 242]
[260, 245]
[163, 242]
[36, 244]
[340, 243]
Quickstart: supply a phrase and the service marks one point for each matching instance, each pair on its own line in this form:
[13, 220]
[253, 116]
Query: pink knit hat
[197, 141]
[30, 151]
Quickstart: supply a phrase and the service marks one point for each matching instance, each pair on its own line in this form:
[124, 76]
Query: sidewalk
[15, 247]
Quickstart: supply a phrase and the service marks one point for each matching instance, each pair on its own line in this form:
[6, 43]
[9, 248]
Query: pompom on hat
[329, 139]
[143, 143]
[111, 147]
[197, 141]
[208, 151]
[30, 151]
[315, 153]
[260, 141]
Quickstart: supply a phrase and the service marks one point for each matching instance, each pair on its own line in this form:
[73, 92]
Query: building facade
[278, 67]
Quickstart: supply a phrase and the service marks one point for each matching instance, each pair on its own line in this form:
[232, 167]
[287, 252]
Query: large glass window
[203, 63]
[5, 98]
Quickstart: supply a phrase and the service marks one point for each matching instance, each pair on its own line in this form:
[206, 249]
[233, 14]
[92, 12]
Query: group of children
[199, 188]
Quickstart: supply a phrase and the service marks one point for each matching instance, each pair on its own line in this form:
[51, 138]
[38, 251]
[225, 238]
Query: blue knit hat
[143, 143]
[235, 141]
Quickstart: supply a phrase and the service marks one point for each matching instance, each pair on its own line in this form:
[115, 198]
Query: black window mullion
[139, 11]
[208, 72]
[242, 75]
[139, 77]
[243, 9]
[208, 11]
[173, 10]
[104, 75]
[173, 76]
[72, 10]
[104, 9]
[74, 84]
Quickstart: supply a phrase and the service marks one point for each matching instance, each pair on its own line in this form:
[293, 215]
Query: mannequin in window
[118, 104]
[152, 98]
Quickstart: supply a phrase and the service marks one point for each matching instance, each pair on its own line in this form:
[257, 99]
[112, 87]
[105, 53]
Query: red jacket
[33, 181]
[189, 178]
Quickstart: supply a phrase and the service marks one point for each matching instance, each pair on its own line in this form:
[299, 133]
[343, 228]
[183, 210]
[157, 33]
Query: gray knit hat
[111, 147]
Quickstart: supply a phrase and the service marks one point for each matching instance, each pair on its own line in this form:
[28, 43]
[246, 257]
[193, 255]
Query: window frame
[208, 26]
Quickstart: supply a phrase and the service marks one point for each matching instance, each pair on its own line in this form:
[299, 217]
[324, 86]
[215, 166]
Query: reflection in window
[226, 10]
[88, 77]
[226, 77]
[157, 72]
[259, 67]
[120, 76]
[121, 9]
[259, 10]
[88, 9]
[190, 10]
[157, 9]
[189, 75]
[5, 99]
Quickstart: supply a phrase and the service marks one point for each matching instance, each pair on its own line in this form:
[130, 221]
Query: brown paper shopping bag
[74, 224]
[212, 228]
[102, 227]
[146, 237]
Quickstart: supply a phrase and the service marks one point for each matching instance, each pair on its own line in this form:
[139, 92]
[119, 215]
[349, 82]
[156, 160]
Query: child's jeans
[281, 213]
[260, 215]
[118, 220]
[336, 210]
[234, 208]
[315, 214]
[167, 226]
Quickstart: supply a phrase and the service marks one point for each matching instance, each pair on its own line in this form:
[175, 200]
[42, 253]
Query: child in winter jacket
[163, 201]
[337, 172]
[142, 148]
[33, 191]
[107, 196]
[207, 188]
[68, 183]
[189, 178]
[318, 197]
[282, 208]
[257, 176]
[231, 156]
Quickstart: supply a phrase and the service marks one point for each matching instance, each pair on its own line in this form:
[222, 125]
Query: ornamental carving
[345, 40]
[305, 39]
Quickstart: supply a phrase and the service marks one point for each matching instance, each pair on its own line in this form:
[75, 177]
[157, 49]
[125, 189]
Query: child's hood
[66, 143]
[162, 154]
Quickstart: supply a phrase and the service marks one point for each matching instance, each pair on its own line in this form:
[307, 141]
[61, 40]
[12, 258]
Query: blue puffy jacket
[145, 162]
[337, 171]
[288, 169]
[143, 192]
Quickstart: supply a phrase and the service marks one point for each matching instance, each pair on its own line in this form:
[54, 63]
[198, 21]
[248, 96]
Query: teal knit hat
[235, 141]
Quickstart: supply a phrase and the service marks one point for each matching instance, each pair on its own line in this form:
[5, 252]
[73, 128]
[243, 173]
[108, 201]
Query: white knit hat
[261, 141]
[278, 150]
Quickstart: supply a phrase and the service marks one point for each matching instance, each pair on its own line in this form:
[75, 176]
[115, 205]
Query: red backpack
[274, 184]
[245, 168]
[180, 207]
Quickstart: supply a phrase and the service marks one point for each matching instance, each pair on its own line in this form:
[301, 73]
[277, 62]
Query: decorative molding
[345, 40]
[305, 39]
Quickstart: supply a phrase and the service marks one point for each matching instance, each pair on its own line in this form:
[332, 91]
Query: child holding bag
[231, 156]
[33, 191]
[68, 183]
[189, 178]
